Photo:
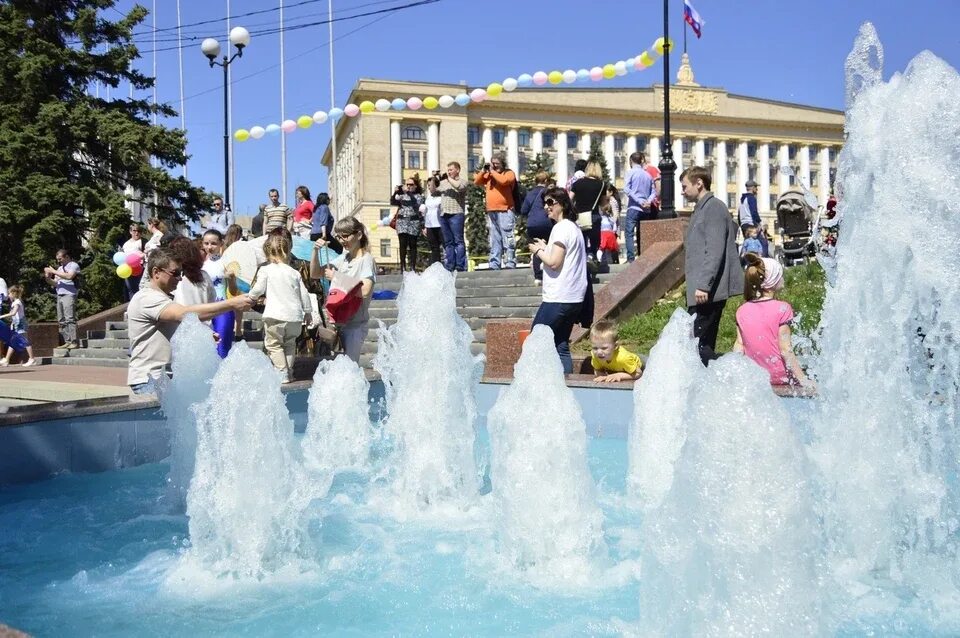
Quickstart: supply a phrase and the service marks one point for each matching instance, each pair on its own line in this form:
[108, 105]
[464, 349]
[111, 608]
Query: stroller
[795, 227]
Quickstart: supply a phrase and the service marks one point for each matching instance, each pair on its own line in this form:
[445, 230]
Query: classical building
[736, 137]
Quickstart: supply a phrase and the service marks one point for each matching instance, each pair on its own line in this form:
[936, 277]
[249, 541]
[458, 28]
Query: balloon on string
[445, 101]
[119, 258]
[555, 77]
[272, 129]
[414, 103]
[646, 59]
[382, 105]
[510, 84]
[630, 62]
[367, 107]
[137, 270]
[462, 99]
[494, 89]
[582, 75]
[256, 132]
[540, 78]
[288, 126]
[430, 103]
[320, 117]
[398, 104]
[609, 71]
[569, 76]
[304, 121]
[478, 95]
[242, 135]
[620, 67]
[351, 110]
[525, 79]
[335, 114]
[658, 45]
[124, 271]
[133, 259]
[596, 74]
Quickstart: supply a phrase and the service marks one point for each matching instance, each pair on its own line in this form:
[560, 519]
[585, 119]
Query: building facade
[737, 138]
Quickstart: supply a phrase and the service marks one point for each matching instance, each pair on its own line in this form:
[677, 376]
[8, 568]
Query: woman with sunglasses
[408, 200]
[564, 260]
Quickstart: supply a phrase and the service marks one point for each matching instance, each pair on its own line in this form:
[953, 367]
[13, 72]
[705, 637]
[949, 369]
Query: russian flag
[692, 18]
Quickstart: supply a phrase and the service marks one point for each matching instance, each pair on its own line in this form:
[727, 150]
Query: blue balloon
[582, 75]
[525, 80]
[119, 258]
[462, 99]
[398, 104]
[272, 129]
[630, 62]
[335, 114]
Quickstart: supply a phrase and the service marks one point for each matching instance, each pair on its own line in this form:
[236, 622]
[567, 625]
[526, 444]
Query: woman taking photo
[564, 272]
[408, 200]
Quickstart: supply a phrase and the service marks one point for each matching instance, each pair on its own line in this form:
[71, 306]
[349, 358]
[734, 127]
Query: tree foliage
[476, 234]
[596, 155]
[66, 155]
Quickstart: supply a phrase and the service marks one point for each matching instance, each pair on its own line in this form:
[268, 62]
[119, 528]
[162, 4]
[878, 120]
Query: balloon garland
[606, 72]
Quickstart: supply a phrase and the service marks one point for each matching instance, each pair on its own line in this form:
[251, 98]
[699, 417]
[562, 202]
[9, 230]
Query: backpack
[517, 194]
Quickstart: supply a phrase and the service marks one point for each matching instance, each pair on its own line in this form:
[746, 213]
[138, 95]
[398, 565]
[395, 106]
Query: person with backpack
[64, 280]
[501, 195]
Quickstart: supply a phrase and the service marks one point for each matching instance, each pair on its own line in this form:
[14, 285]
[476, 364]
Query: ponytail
[753, 277]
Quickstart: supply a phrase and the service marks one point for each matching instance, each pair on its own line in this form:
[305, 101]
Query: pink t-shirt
[759, 325]
[303, 212]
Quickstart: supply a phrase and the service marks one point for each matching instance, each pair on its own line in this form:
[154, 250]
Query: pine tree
[477, 235]
[541, 162]
[66, 155]
[596, 155]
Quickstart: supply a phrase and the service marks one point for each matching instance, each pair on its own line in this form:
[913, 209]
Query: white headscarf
[773, 277]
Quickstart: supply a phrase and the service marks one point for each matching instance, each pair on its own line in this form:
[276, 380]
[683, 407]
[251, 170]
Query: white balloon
[382, 105]
[620, 67]
[445, 101]
[569, 76]
[256, 132]
[320, 117]
[509, 84]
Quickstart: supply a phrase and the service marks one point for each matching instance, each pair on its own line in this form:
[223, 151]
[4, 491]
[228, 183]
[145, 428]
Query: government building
[736, 137]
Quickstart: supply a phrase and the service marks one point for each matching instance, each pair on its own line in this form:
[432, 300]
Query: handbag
[585, 220]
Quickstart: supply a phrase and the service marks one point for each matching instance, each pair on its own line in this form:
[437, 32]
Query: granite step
[109, 343]
[471, 312]
[89, 361]
[369, 349]
[91, 353]
[479, 335]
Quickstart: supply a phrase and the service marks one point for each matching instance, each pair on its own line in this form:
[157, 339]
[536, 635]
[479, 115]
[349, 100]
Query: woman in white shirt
[564, 260]
[431, 219]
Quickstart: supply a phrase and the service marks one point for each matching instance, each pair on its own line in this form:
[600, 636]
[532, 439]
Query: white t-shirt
[190, 294]
[567, 284]
[361, 268]
[149, 337]
[214, 268]
[19, 316]
[287, 297]
[3, 289]
[431, 211]
[133, 245]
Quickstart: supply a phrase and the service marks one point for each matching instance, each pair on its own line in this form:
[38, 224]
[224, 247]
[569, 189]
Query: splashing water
[195, 361]
[338, 430]
[249, 494]
[430, 378]
[547, 518]
[886, 434]
[734, 545]
[660, 399]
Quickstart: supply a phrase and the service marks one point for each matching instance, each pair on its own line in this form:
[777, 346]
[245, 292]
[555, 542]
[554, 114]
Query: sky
[792, 52]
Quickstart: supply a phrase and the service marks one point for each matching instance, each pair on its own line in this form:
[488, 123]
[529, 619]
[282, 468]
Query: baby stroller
[795, 227]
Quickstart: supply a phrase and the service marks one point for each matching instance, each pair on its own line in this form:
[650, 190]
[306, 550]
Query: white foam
[338, 430]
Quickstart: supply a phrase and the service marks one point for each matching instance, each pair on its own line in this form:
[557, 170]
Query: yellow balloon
[367, 106]
[495, 89]
[242, 135]
[304, 121]
[609, 71]
[430, 102]
[555, 77]
[646, 59]
[658, 45]
[124, 271]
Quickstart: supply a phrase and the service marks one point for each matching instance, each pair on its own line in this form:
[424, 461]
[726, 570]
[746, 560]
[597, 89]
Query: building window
[685, 146]
[751, 149]
[793, 179]
[385, 248]
[643, 145]
[523, 138]
[814, 178]
[752, 173]
[413, 159]
[413, 133]
[572, 140]
[791, 151]
[619, 142]
[473, 135]
[473, 163]
[618, 163]
[773, 202]
[548, 139]
[731, 200]
[523, 163]
[708, 148]
[498, 136]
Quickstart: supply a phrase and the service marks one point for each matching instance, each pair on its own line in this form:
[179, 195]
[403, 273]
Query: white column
[763, 168]
[486, 143]
[743, 169]
[631, 147]
[536, 142]
[654, 154]
[805, 165]
[678, 158]
[584, 145]
[433, 146]
[608, 153]
[783, 159]
[720, 177]
[699, 153]
[396, 155]
[560, 142]
[513, 151]
[824, 175]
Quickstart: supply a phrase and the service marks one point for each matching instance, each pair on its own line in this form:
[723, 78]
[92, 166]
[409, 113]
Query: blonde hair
[16, 289]
[753, 276]
[350, 225]
[277, 249]
[604, 328]
[593, 170]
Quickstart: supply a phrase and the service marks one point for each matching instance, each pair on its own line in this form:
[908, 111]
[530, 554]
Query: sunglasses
[218, 205]
[410, 184]
[174, 273]
[549, 202]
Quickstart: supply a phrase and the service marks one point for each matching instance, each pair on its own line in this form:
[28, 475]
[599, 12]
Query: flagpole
[283, 138]
[685, 25]
[334, 195]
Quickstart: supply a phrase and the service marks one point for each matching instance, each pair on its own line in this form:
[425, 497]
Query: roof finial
[685, 72]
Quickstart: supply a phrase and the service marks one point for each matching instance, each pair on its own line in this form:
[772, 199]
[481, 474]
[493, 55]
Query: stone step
[94, 344]
[91, 353]
[116, 325]
[89, 361]
[480, 312]
[370, 348]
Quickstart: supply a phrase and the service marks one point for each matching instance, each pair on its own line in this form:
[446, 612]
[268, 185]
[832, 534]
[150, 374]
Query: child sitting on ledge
[612, 362]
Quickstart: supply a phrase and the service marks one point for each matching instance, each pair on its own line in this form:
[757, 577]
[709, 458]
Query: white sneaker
[4, 363]
[30, 363]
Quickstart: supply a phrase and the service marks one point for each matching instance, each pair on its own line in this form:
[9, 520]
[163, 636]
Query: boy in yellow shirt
[612, 362]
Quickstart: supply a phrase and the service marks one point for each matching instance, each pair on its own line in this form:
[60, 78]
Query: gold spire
[685, 72]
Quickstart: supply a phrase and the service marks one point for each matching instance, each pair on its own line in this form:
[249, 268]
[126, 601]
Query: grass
[804, 290]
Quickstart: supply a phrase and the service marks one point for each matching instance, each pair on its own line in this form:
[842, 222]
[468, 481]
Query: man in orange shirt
[498, 182]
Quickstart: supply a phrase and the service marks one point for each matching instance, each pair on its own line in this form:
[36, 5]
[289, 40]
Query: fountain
[338, 431]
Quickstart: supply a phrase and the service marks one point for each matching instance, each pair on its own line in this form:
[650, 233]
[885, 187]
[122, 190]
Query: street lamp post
[667, 166]
[240, 38]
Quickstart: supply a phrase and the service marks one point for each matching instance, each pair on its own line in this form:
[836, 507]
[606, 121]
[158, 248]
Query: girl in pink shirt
[763, 323]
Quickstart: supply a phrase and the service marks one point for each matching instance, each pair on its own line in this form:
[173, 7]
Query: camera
[486, 166]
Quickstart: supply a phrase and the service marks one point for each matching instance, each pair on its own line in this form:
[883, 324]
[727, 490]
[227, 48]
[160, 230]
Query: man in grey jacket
[712, 263]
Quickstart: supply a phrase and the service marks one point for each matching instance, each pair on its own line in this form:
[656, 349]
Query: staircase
[482, 295]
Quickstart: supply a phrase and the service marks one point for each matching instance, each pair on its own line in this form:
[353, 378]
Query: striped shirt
[275, 217]
[453, 194]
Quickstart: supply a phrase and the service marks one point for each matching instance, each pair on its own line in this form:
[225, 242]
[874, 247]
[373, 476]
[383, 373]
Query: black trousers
[435, 239]
[706, 325]
[408, 248]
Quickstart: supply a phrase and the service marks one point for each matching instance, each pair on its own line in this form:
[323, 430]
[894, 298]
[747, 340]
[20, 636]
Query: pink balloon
[414, 103]
[638, 65]
[478, 95]
[134, 259]
[596, 74]
[540, 78]
[351, 110]
[288, 126]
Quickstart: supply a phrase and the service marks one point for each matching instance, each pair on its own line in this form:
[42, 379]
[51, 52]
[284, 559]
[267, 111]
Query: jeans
[147, 387]
[560, 317]
[538, 232]
[500, 226]
[706, 325]
[435, 241]
[352, 338]
[67, 317]
[454, 248]
[631, 231]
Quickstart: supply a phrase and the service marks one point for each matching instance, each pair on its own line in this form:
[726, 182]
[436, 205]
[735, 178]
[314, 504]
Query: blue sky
[765, 48]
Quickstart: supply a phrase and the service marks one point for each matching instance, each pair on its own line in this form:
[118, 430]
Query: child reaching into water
[18, 318]
[763, 323]
[287, 305]
[611, 361]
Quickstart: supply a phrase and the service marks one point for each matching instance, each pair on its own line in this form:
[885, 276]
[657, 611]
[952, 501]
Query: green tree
[476, 234]
[540, 162]
[596, 155]
[66, 155]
